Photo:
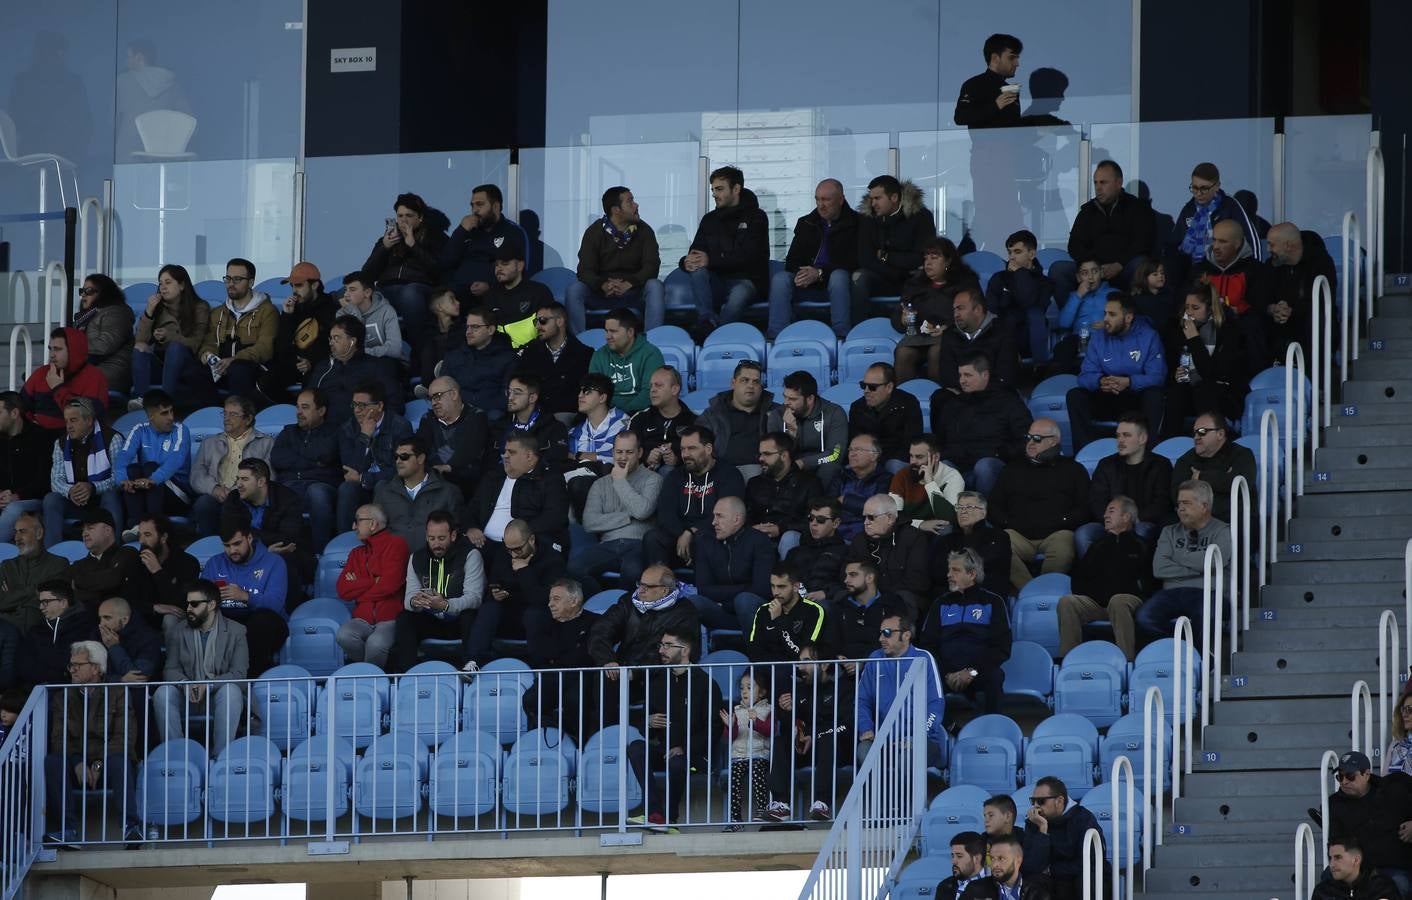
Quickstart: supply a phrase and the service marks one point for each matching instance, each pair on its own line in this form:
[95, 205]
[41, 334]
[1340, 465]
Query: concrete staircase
[1295, 671]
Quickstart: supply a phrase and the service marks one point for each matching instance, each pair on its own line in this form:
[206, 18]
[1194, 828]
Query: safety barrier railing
[1183, 699]
[1374, 224]
[1154, 741]
[1361, 716]
[1240, 559]
[1321, 350]
[1350, 288]
[55, 300]
[91, 211]
[1267, 494]
[1092, 856]
[1213, 603]
[434, 751]
[1123, 831]
[1327, 764]
[873, 831]
[1304, 873]
[1296, 372]
[21, 786]
[1389, 679]
[19, 337]
[1407, 598]
[19, 283]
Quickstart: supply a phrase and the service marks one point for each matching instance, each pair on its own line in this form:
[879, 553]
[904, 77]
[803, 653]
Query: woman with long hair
[105, 319]
[1399, 752]
[169, 334]
[1208, 361]
[405, 263]
[926, 299]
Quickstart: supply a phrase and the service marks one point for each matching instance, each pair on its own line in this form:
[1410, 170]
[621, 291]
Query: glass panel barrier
[348, 197]
[782, 168]
[564, 186]
[199, 213]
[1325, 159]
[994, 182]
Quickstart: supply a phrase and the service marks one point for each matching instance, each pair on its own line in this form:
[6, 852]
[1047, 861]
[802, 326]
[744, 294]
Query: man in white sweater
[620, 509]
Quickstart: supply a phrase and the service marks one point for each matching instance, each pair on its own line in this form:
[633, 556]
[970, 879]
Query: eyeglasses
[1201, 188]
[1346, 776]
[365, 404]
[234, 279]
[543, 320]
[873, 517]
[870, 386]
[1039, 438]
[74, 667]
[864, 450]
[1405, 708]
[516, 392]
[645, 585]
[446, 393]
[87, 291]
[44, 600]
[668, 645]
[1040, 801]
[961, 509]
[821, 520]
[1202, 432]
[587, 390]
[403, 457]
[516, 551]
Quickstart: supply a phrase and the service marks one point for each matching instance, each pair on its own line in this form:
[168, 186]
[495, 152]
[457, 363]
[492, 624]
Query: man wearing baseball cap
[302, 340]
[514, 297]
[1375, 811]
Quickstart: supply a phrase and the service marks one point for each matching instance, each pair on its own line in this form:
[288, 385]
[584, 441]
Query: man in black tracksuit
[728, 264]
[777, 500]
[967, 632]
[894, 223]
[786, 624]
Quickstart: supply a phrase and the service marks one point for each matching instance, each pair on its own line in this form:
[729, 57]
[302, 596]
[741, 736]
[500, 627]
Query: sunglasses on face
[1346, 776]
[87, 291]
[404, 456]
[1039, 801]
[1038, 438]
[870, 386]
[888, 632]
[821, 520]
[1202, 432]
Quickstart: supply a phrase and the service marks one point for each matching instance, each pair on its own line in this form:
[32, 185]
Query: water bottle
[215, 372]
[1083, 339]
[1185, 363]
[909, 318]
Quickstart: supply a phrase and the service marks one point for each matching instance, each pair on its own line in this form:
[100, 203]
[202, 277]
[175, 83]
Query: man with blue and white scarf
[81, 472]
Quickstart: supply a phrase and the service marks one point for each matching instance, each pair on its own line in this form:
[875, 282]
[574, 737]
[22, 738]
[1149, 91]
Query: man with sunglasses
[240, 341]
[415, 493]
[1216, 459]
[556, 357]
[883, 674]
[455, 436]
[206, 653]
[1189, 241]
[1375, 812]
[901, 552]
[819, 557]
[1039, 501]
[894, 416]
[1054, 834]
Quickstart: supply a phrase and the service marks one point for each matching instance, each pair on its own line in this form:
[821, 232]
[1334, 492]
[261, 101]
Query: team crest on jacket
[498, 241]
[1134, 355]
[259, 573]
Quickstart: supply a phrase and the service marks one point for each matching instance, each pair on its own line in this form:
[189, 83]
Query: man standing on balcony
[990, 100]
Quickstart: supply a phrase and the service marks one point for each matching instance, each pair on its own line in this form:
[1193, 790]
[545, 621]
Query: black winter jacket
[538, 497]
[895, 424]
[469, 256]
[996, 339]
[971, 427]
[629, 638]
[809, 236]
[1294, 284]
[739, 564]
[1373, 819]
[553, 440]
[400, 264]
[24, 462]
[990, 542]
[1116, 234]
[899, 237]
[482, 374]
[340, 379]
[1114, 564]
[902, 558]
[1039, 498]
[1146, 484]
[737, 241]
[460, 445]
[783, 502]
[558, 380]
[1018, 291]
[820, 565]
[307, 455]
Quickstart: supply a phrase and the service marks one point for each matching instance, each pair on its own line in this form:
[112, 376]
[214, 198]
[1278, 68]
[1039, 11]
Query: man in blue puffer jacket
[883, 675]
[1122, 370]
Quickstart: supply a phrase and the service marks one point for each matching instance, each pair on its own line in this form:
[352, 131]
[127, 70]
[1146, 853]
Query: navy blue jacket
[482, 374]
[311, 455]
[139, 649]
[967, 629]
[469, 256]
[365, 454]
[1226, 208]
[739, 564]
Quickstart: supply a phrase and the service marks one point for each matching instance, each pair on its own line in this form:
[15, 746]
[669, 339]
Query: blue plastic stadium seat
[843, 393]
[919, 879]
[1065, 746]
[678, 350]
[273, 419]
[538, 772]
[557, 279]
[985, 263]
[313, 627]
[1153, 668]
[203, 548]
[284, 709]
[1055, 386]
[1036, 614]
[602, 601]
[128, 421]
[801, 355]
[593, 338]
[465, 775]
[599, 788]
[416, 410]
[170, 781]
[387, 781]
[1173, 447]
[1092, 682]
[307, 775]
[1126, 737]
[493, 701]
[1095, 451]
[954, 810]
[988, 753]
[726, 667]
[427, 701]
[8, 551]
[211, 290]
[243, 782]
[331, 562]
[1029, 672]
[1099, 801]
[136, 296]
[203, 423]
[922, 389]
[723, 349]
[1267, 391]
[352, 704]
[870, 341]
[698, 400]
[73, 551]
[1048, 256]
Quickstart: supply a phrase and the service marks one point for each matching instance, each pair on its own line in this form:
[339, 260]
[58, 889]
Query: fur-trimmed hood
[912, 201]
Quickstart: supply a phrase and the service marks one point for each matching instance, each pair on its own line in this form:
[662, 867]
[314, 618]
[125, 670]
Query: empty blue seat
[1099, 801]
[387, 781]
[243, 781]
[465, 775]
[1048, 256]
[493, 701]
[313, 627]
[136, 296]
[697, 401]
[1173, 447]
[1094, 451]
[1126, 737]
[203, 423]
[352, 704]
[859, 351]
[8, 551]
[922, 389]
[606, 782]
[170, 781]
[73, 551]
[593, 338]
[919, 879]
[309, 773]
[954, 810]
[416, 410]
[723, 350]
[1267, 391]
[726, 667]
[538, 772]
[331, 562]
[678, 350]
[1153, 668]
[985, 263]
[427, 701]
[283, 704]
[1036, 613]
[806, 355]
[557, 279]
[1029, 672]
[128, 421]
[273, 419]
[988, 753]
[843, 393]
[1055, 386]
[1092, 681]
[210, 290]
[203, 548]
[1065, 746]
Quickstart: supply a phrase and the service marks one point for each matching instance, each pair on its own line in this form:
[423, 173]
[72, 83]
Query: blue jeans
[410, 301]
[319, 501]
[783, 293]
[58, 507]
[787, 542]
[12, 513]
[710, 291]
[1155, 618]
[206, 513]
[739, 617]
[1085, 535]
[623, 556]
[649, 302]
[173, 363]
[983, 476]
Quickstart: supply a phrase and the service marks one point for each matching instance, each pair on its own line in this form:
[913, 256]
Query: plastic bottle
[909, 318]
[1186, 363]
[1083, 339]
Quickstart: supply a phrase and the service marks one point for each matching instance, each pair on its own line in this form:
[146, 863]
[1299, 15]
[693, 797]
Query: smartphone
[389, 225]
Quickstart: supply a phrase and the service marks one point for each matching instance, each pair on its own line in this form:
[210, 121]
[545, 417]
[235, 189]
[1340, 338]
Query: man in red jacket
[66, 375]
[374, 578]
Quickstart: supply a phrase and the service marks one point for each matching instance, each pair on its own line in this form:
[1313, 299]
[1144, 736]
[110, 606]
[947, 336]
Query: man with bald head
[901, 552]
[1297, 258]
[1039, 501]
[733, 565]
[1242, 281]
[820, 262]
[455, 435]
[134, 648]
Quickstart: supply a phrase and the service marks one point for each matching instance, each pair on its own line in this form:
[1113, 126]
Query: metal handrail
[1268, 492]
[1350, 285]
[1360, 693]
[20, 279]
[1213, 604]
[1327, 763]
[1153, 744]
[1122, 824]
[1407, 598]
[22, 769]
[1182, 701]
[49, 298]
[15, 334]
[1092, 855]
[1389, 686]
[1295, 374]
[1240, 558]
[1375, 211]
[1304, 874]
[101, 236]
[1321, 348]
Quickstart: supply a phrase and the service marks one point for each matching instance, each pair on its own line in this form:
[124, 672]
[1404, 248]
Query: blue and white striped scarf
[100, 463]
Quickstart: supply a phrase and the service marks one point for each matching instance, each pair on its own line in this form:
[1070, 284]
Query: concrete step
[1357, 661]
[1347, 432]
[1390, 460]
[1347, 482]
[1314, 710]
[1219, 785]
[1290, 736]
[1393, 342]
[1332, 503]
[1351, 412]
[1244, 810]
[1376, 391]
[1390, 548]
[1394, 306]
[1387, 330]
[1352, 527]
[1376, 367]
[1339, 594]
[1266, 686]
[1294, 759]
[1301, 620]
[1269, 638]
[1225, 895]
[1315, 572]
[1258, 851]
[1225, 881]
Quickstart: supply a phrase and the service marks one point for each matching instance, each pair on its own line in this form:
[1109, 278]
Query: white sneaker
[819, 811]
[471, 667]
[129, 535]
[777, 811]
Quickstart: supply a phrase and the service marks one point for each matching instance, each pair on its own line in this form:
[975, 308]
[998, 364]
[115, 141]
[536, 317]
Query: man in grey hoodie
[1180, 562]
[620, 509]
[384, 334]
[818, 426]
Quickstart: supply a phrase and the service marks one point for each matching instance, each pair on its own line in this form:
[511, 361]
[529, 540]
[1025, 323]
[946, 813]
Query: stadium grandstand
[978, 472]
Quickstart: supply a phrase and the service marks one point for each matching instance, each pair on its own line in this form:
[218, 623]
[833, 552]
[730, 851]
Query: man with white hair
[900, 551]
[1109, 580]
[91, 746]
[1180, 562]
[375, 579]
[967, 631]
[82, 471]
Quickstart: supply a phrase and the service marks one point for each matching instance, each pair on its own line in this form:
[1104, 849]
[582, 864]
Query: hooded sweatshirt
[630, 372]
[46, 405]
[384, 334]
[246, 334]
[263, 575]
[687, 500]
[820, 440]
[899, 237]
[736, 240]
